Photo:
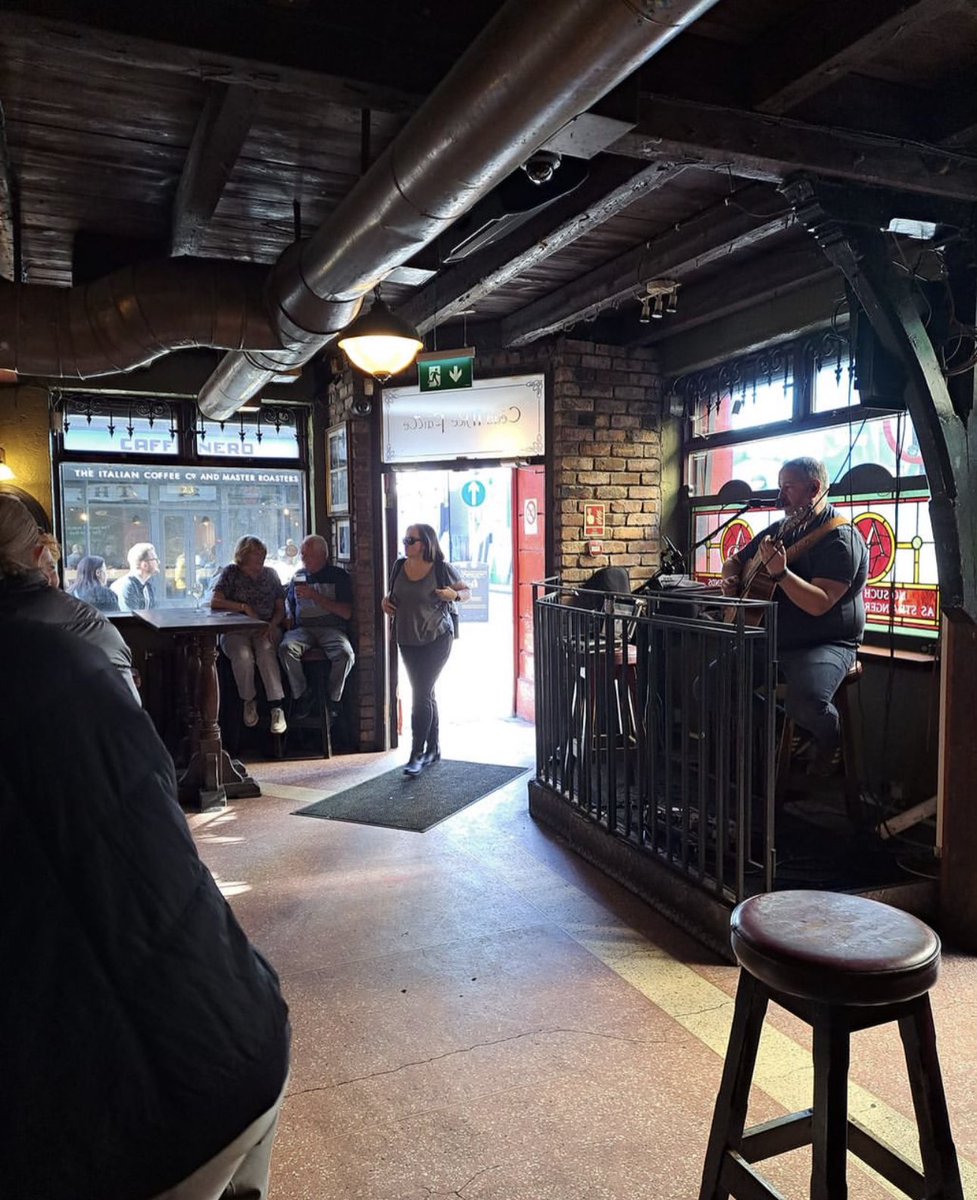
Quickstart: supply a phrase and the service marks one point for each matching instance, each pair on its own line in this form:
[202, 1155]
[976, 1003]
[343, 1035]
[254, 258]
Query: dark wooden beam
[27, 39]
[9, 225]
[221, 129]
[817, 45]
[712, 236]
[766, 277]
[768, 147]
[612, 188]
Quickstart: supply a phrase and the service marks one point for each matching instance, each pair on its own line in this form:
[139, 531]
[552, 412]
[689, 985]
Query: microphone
[761, 503]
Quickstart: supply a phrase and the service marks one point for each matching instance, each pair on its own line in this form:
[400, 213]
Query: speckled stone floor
[479, 1014]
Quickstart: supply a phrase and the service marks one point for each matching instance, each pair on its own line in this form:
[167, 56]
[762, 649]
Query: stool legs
[939, 1155]
[729, 1119]
[829, 1146]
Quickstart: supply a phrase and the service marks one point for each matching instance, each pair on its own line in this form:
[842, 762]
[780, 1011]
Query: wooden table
[211, 775]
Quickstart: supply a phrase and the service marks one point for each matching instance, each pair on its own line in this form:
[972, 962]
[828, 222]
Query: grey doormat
[399, 801]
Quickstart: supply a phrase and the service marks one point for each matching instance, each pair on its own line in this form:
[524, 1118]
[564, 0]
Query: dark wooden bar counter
[211, 775]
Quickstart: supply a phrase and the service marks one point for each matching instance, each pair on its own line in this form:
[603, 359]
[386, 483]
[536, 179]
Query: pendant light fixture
[379, 342]
[6, 474]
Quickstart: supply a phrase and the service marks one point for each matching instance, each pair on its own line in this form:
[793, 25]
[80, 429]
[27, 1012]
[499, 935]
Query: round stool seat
[833, 948]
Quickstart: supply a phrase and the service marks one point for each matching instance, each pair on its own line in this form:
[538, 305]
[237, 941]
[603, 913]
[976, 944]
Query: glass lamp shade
[6, 473]
[380, 343]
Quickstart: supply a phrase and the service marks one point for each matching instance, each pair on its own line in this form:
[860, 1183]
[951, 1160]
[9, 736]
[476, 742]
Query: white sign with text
[497, 418]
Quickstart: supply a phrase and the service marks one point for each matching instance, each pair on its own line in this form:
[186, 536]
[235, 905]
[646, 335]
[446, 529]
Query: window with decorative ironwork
[748, 416]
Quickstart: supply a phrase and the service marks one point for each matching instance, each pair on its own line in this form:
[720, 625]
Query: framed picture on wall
[342, 540]
[337, 469]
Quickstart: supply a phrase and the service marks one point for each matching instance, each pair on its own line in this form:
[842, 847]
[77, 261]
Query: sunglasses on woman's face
[409, 541]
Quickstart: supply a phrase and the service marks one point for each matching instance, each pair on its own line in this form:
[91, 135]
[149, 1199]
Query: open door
[529, 538]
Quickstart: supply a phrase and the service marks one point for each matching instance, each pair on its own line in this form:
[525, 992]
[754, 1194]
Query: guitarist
[818, 591]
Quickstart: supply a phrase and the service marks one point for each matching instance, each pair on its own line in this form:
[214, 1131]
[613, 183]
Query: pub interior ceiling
[225, 129]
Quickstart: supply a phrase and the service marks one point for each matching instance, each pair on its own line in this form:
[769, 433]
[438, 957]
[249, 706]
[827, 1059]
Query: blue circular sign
[473, 493]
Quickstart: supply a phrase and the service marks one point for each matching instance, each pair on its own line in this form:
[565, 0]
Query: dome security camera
[540, 165]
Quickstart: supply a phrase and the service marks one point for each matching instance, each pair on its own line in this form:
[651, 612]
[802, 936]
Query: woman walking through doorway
[423, 591]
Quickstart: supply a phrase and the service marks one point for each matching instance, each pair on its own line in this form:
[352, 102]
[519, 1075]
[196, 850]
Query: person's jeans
[332, 642]
[424, 664]
[813, 675]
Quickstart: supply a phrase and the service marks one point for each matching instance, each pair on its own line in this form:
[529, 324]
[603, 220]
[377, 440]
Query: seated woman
[91, 584]
[248, 587]
[423, 591]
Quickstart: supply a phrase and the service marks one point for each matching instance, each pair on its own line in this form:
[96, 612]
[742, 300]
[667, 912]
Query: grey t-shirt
[421, 616]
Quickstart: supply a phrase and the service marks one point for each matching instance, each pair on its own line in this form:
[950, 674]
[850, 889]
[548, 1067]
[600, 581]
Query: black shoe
[431, 756]
[416, 765]
[302, 707]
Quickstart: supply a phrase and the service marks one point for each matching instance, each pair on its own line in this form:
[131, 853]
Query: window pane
[840, 447]
[193, 516]
[110, 434]
[761, 403]
[225, 441]
[834, 388]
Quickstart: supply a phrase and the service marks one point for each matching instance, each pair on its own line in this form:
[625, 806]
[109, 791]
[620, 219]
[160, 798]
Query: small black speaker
[880, 378]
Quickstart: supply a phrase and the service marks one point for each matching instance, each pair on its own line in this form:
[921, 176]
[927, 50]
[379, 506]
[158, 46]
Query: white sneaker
[250, 714]
[278, 721]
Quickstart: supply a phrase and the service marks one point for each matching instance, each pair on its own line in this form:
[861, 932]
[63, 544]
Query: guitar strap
[812, 539]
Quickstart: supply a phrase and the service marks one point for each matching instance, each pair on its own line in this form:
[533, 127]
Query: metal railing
[655, 719]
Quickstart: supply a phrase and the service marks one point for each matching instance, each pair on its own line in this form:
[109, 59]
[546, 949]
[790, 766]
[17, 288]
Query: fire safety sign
[593, 520]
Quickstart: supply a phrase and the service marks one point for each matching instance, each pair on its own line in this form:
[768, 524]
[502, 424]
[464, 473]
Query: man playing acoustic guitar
[816, 574]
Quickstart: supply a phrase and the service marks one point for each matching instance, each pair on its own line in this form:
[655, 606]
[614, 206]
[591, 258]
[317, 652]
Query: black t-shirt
[840, 555]
[331, 581]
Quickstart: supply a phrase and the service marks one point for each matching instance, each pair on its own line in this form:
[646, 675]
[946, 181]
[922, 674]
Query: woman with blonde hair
[248, 587]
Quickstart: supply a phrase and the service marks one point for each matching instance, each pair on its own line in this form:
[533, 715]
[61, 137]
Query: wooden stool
[317, 668]
[840, 963]
[849, 746]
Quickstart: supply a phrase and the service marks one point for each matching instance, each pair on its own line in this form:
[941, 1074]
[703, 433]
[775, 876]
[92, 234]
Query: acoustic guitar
[755, 581]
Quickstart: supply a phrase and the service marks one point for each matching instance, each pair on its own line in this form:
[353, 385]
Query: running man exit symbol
[445, 370]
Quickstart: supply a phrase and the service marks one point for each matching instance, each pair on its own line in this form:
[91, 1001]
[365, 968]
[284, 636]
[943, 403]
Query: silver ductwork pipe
[535, 67]
[133, 316]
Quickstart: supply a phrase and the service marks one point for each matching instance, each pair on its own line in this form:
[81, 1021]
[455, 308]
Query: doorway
[471, 510]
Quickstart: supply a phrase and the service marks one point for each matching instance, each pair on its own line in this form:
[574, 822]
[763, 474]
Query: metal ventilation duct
[535, 67]
[132, 316]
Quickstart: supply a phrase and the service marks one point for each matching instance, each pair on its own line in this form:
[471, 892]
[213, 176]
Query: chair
[850, 757]
[840, 963]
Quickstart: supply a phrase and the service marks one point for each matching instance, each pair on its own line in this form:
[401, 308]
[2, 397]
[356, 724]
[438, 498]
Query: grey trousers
[813, 675]
[332, 642]
[247, 649]
[240, 1170]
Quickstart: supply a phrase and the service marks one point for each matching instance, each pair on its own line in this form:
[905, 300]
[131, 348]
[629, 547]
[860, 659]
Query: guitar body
[756, 583]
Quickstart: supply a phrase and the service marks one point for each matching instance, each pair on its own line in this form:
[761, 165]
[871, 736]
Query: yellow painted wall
[25, 436]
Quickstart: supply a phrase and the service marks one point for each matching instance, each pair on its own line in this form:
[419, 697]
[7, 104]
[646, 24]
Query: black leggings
[424, 664]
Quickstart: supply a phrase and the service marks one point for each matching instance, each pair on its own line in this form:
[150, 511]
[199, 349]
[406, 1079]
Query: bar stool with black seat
[318, 717]
[841, 963]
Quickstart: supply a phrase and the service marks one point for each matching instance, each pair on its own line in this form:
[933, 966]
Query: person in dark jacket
[90, 584]
[25, 592]
[144, 1042]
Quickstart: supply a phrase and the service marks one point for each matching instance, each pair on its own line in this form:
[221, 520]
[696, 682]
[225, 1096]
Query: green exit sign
[446, 370]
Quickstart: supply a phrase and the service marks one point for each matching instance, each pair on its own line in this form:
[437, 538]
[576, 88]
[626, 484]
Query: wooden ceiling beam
[773, 148]
[31, 40]
[815, 47]
[601, 197]
[766, 277]
[220, 133]
[9, 225]
[711, 236]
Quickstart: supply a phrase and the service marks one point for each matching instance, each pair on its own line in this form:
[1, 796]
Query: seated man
[820, 610]
[318, 606]
[137, 590]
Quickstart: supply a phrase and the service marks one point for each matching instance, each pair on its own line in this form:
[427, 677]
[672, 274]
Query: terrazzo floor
[477, 1013]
